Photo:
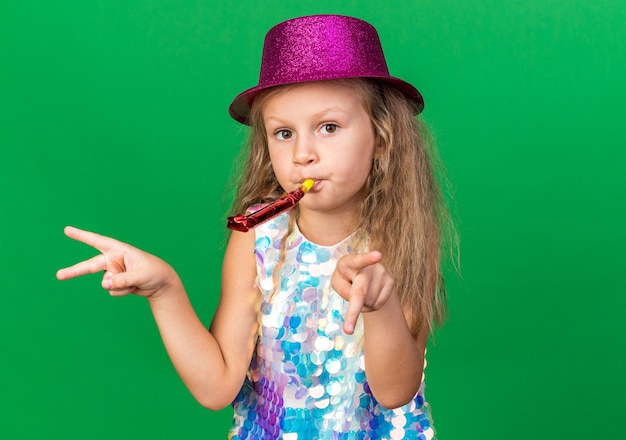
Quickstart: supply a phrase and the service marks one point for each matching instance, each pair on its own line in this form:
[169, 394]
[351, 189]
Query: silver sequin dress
[307, 379]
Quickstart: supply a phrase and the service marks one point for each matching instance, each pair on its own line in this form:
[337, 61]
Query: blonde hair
[403, 209]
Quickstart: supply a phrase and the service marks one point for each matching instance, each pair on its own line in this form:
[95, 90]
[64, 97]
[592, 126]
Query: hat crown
[321, 47]
[318, 48]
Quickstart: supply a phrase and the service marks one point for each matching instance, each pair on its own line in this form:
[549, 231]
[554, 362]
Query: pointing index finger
[355, 305]
[96, 241]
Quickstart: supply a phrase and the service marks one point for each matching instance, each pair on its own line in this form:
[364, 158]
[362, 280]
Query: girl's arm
[394, 361]
[213, 364]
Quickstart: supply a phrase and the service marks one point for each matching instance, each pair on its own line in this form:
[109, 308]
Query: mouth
[316, 182]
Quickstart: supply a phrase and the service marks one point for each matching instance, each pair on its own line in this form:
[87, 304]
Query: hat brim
[239, 109]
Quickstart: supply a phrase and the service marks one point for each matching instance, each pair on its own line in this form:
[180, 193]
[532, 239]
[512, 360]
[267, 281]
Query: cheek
[277, 159]
[356, 168]
[281, 168]
[362, 159]
[272, 154]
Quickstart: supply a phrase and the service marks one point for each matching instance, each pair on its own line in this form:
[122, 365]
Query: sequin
[333, 388]
[333, 366]
[307, 377]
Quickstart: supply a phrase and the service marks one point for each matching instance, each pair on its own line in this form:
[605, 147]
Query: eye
[329, 128]
[283, 134]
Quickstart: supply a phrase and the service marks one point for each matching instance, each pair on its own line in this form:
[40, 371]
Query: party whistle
[244, 223]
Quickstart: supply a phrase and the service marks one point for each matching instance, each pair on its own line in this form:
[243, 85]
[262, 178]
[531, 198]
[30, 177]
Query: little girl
[325, 310]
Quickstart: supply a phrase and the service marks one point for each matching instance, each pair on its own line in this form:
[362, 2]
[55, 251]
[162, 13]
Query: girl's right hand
[126, 268]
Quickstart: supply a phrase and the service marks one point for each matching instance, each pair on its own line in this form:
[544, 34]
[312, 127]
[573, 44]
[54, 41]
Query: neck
[324, 229]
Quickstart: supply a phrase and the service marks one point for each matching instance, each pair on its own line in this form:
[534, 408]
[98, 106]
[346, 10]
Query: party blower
[244, 223]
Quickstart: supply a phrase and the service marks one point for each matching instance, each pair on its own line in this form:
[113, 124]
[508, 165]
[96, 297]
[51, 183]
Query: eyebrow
[318, 115]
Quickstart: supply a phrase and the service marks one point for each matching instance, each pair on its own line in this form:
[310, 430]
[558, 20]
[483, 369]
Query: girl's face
[321, 131]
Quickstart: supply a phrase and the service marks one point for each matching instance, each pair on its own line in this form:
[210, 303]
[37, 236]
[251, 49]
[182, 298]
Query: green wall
[113, 118]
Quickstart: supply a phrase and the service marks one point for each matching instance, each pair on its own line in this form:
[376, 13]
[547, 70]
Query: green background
[113, 118]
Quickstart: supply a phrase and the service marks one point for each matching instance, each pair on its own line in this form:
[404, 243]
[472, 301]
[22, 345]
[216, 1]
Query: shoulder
[273, 228]
[240, 249]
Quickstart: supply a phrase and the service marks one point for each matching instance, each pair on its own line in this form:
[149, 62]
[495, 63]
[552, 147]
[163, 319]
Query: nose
[304, 152]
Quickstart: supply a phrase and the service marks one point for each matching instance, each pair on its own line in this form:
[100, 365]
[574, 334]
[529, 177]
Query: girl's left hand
[366, 284]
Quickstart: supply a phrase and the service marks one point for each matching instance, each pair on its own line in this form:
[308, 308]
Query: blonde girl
[324, 310]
